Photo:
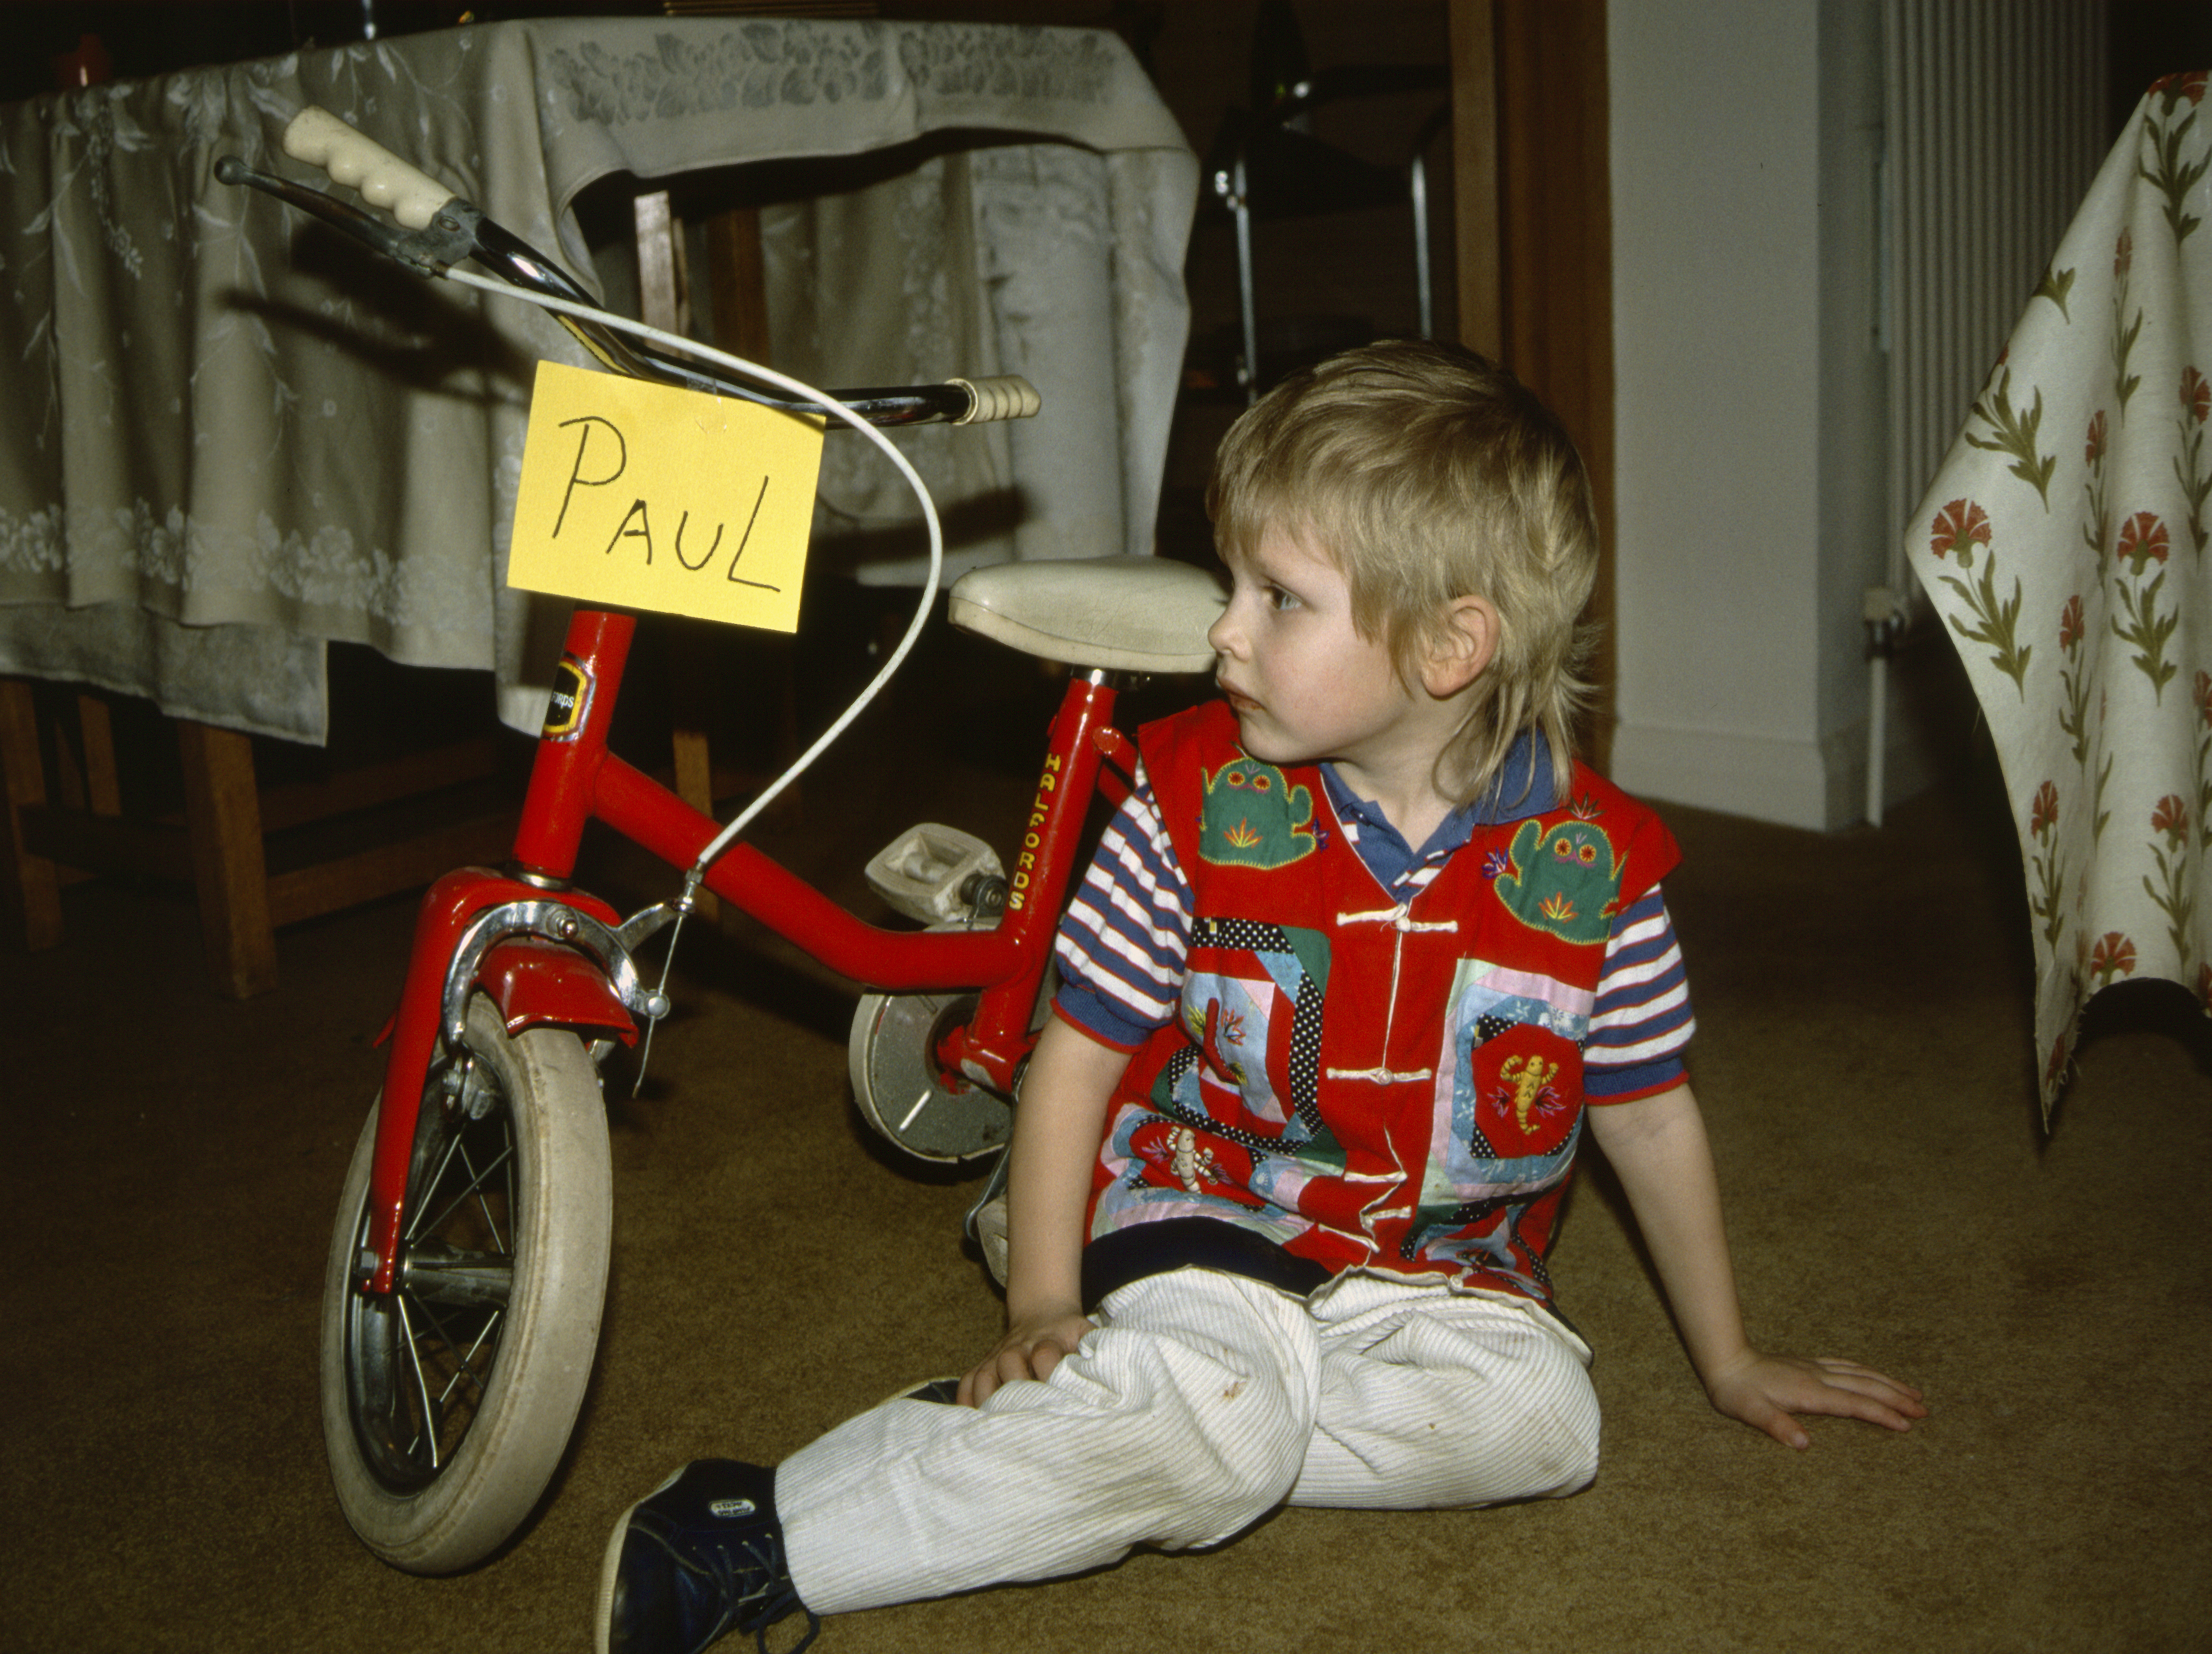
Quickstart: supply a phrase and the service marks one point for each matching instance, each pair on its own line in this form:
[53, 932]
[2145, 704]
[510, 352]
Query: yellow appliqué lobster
[1530, 1079]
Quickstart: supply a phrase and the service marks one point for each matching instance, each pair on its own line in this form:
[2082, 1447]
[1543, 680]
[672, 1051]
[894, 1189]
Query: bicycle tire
[522, 1193]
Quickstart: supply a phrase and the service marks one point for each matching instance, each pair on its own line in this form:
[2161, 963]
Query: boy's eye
[1278, 598]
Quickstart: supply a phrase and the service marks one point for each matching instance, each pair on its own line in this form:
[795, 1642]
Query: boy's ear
[1465, 640]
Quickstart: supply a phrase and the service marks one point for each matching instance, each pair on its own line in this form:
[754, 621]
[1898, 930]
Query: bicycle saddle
[1116, 614]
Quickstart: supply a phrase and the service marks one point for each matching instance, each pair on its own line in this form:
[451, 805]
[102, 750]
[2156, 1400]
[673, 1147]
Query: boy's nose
[1223, 637]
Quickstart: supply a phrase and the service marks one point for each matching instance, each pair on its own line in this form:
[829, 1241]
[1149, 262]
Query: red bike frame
[575, 779]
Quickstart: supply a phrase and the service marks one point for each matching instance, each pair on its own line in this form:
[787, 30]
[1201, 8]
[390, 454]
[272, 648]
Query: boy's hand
[1764, 1390]
[1657, 1145]
[1058, 1127]
[1030, 1349]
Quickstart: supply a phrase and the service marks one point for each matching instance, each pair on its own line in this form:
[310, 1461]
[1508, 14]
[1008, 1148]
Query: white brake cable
[677, 343]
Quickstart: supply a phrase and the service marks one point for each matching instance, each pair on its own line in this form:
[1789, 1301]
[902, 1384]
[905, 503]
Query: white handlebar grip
[321, 139]
[1005, 396]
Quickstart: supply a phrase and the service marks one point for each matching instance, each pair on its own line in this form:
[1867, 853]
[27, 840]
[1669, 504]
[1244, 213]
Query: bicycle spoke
[429, 1428]
[432, 1181]
[460, 1359]
[498, 1243]
[475, 1181]
[468, 1368]
[440, 1366]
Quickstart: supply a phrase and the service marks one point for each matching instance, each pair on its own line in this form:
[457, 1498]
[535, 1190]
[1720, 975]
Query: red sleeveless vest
[1364, 1081]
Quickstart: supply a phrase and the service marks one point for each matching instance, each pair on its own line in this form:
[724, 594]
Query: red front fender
[541, 984]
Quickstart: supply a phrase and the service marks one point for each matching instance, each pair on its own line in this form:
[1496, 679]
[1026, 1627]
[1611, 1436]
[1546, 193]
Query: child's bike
[468, 1265]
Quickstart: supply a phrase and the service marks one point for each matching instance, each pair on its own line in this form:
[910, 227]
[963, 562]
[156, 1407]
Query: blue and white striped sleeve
[1126, 935]
[1642, 1022]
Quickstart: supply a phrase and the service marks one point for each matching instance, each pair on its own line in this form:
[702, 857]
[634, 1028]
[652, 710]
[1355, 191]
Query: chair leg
[222, 815]
[103, 785]
[691, 663]
[29, 882]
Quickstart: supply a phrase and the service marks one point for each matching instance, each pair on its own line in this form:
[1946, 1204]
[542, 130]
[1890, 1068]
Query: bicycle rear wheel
[447, 1405]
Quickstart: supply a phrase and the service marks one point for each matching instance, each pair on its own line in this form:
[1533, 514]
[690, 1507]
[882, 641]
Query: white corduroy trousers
[1201, 1402]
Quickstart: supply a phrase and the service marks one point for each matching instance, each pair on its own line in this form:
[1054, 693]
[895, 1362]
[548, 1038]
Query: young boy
[1350, 964]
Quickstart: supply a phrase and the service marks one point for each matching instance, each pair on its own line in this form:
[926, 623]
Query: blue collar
[1523, 788]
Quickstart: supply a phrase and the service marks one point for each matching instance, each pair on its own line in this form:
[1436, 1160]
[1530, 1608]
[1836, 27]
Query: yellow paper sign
[644, 496]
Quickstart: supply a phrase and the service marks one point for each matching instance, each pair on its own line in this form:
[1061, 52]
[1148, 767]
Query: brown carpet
[171, 1161]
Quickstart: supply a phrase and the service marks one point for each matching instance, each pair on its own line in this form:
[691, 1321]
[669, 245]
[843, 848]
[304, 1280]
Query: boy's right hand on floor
[1031, 1349]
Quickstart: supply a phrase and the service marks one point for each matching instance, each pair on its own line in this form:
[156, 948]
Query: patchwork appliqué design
[1564, 879]
[1253, 992]
[1252, 817]
[1515, 1045]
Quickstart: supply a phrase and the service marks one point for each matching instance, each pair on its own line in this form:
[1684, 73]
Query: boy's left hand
[1764, 1390]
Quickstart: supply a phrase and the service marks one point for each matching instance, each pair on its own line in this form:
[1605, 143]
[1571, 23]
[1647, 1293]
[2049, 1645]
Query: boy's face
[1304, 683]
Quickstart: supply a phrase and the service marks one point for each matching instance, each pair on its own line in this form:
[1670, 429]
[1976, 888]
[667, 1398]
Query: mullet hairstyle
[1427, 473]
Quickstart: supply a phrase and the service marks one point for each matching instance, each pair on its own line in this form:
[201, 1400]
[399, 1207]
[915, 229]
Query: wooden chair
[77, 827]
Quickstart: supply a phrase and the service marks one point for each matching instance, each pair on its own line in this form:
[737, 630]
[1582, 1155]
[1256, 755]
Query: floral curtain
[2064, 545]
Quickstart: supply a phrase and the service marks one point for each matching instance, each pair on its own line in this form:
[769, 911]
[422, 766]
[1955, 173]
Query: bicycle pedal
[929, 872]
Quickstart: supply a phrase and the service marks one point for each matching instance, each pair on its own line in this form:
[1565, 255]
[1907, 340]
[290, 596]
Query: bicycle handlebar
[441, 229]
[383, 180]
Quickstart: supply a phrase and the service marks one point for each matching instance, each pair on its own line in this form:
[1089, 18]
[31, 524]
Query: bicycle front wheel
[447, 1404]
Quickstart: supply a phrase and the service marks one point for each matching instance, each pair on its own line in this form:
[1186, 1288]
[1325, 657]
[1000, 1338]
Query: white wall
[1750, 400]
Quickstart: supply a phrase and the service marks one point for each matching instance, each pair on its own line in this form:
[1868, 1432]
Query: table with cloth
[229, 441]
[2064, 544]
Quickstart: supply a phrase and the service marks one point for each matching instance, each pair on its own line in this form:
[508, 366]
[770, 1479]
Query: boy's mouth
[1236, 697]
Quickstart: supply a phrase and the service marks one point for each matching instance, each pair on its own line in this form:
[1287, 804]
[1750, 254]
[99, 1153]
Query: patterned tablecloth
[2064, 544]
[227, 441]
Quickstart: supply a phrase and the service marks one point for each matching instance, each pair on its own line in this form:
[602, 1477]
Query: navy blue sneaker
[700, 1555]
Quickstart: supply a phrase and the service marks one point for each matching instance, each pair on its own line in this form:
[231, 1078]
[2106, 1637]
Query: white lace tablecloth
[2064, 544]
[228, 442]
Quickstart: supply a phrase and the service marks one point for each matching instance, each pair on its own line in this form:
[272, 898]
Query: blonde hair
[1428, 473]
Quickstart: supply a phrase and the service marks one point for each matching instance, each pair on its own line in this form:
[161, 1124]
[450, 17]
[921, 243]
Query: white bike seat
[1116, 614]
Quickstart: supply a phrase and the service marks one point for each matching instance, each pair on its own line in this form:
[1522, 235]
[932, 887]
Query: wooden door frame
[1534, 199]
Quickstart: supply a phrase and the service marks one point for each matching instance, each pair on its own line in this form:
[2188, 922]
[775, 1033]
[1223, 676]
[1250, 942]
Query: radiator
[1994, 122]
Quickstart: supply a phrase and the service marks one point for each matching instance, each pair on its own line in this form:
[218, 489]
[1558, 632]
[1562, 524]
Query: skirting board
[1817, 784]
[1785, 782]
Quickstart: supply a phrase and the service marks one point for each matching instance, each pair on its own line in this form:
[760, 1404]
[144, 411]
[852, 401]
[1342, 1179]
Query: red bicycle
[468, 1264]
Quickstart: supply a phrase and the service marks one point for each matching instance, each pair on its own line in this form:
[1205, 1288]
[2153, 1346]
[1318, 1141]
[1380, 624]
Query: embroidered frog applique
[1252, 817]
[1564, 879]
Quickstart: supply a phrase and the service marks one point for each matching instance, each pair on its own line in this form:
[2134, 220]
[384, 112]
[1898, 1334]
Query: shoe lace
[758, 1592]
[813, 1630]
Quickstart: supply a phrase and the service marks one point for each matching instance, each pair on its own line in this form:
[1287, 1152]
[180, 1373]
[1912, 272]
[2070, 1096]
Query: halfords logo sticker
[571, 699]
[1025, 864]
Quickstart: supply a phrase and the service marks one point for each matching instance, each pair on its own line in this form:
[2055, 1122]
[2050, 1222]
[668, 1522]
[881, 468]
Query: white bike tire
[560, 1212]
